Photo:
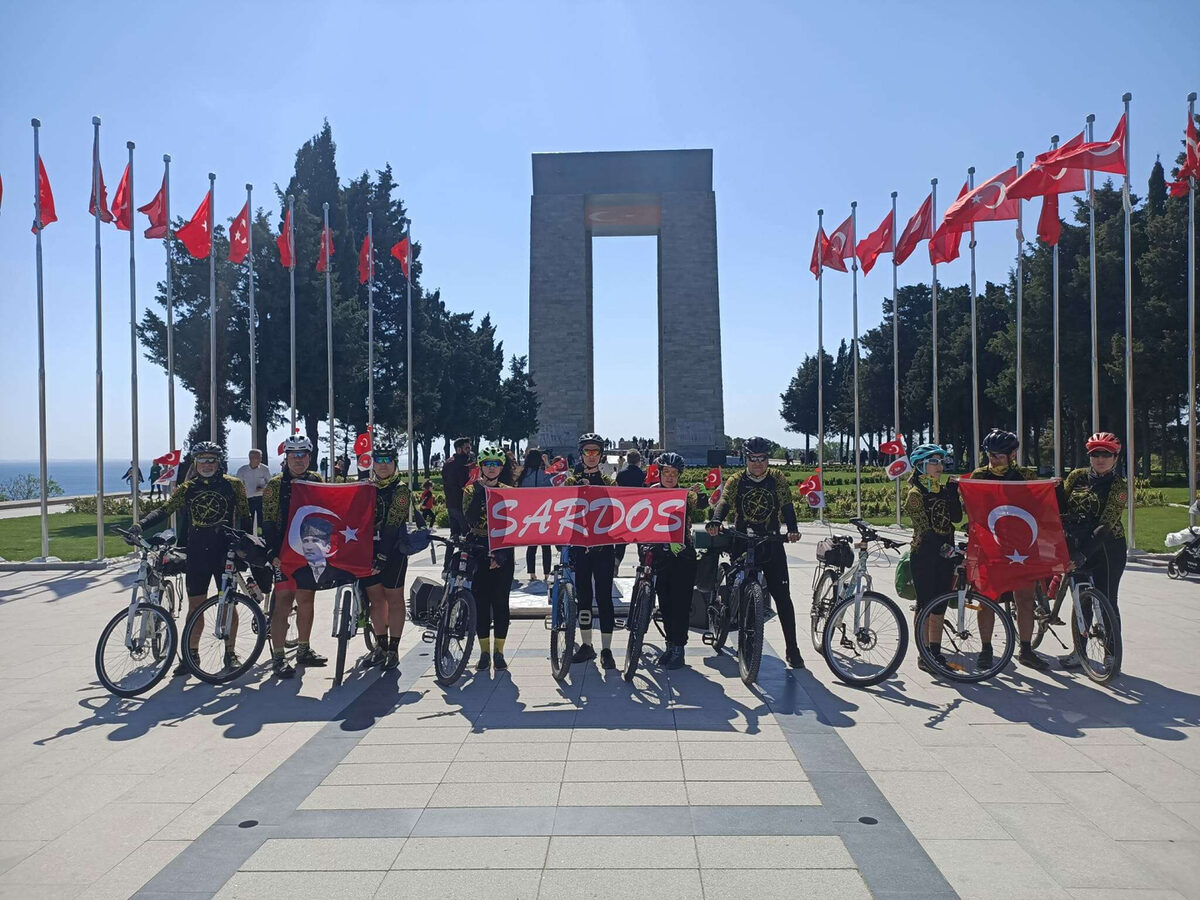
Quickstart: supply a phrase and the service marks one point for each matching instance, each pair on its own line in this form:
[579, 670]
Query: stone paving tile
[192, 822]
[1152, 773]
[1175, 862]
[1122, 894]
[1189, 812]
[423, 735]
[829, 884]
[473, 853]
[600, 734]
[730, 750]
[387, 773]
[511, 735]
[769, 770]
[124, 879]
[324, 854]
[490, 751]
[402, 753]
[750, 793]
[991, 777]
[379, 796]
[1036, 751]
[272, 885]
[773, 852]
[623, 852]
[496, 794]
[1120, 811]
[604, 883]
[496, 771]
[623, 750]
[937, 807]
[497, 884]
[611, 770]
[993, 870]
[623, 793]
[12, 852]
[887, 748]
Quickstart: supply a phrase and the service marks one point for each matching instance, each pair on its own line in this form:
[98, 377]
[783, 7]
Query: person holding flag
[675, 565]
[594, 566]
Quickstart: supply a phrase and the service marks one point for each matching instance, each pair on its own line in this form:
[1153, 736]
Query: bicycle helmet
[297, 443]
[924, 453]
[384, 446]
[1104, 440]
[207, 448]
[492, 454]
[590, 437]
[1000, 441]
[674, 460]
[757, 445]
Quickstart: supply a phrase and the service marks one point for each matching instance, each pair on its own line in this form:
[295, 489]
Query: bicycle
[450, 625]
[865, 635]
[145, 632]
[351, 614]
[740, 601]
[564, 615]
[961, 637]
[226, 652]
[641, 609]
[834, 557]
[1095, 626]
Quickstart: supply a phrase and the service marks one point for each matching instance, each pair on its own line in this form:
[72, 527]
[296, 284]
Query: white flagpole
[820, 352]
[41, 331]
[1091, 120]
[937, 431]
[328, 327]
[1057, 380]
[895, 349]
[1129, 442]
[212, 310]
[253, 341]
[854, 294]
[408, 349]
[1020, 373]
[291, 242]
[974, 340]
[371, 325]
[170, 309]
[99, 346]
[134, 482]
[1191, 289]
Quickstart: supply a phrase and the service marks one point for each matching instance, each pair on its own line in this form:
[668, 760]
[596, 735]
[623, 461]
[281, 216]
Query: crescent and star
[1016, 512]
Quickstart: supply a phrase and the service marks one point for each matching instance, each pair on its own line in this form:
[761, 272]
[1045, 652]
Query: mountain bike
[834, 557]
[739, 601]
[137, 645]
[351, 614]
[564, 615]
[450, 625]
[1095, 626]
[865, 635]
[641, 608]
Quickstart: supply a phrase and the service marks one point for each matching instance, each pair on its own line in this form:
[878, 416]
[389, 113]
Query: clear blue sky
[805, 105]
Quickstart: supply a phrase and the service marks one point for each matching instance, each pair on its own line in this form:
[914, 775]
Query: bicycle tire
[562, 638]
[198, 661]
[343, 627]
[1042, 624]
[150, 674]
[457, 623]
[822, 605]
[974, 601]
[718, 610]
[878, 605]
[158, 639]
[364, 604]
[169, 600]
[640, 613]
[1110, 666]
[750, 633]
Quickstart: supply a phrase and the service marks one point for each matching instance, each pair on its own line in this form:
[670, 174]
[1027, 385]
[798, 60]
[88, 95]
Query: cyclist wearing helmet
[1001, 448]
[760, 498]
[935, 508]
[211, 499]
[1093, 503]
[676, 571]
[277, 496]
[385, 584]
[594, 566]
[494, 569]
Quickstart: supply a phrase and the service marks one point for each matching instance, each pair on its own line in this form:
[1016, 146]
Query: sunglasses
[590, 451]
[491, 463]
[757, 458]
[1101, 454]
[383, 458]
[207, 460]
[994, 455]
[297, 454]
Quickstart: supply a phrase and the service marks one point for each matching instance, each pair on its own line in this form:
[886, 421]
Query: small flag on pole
[284, 242]
[400, 250]
[156, 212]
[122, 205]
[326, 249]
[45, 199]
[195, 234]
[919, 228]
[364, 261]
[239, 236]
[105, 215]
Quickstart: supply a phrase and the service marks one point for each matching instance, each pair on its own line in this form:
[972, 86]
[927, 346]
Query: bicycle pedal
[708, 638]
[428, 637]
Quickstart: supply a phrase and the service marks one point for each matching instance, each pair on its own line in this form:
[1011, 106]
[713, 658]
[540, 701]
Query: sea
[78, 476]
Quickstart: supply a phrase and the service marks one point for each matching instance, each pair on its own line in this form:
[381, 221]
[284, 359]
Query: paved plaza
[684, 784]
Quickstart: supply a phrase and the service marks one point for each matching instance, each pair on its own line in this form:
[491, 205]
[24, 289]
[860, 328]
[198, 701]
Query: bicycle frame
[563, 571]
[456, 573]
[852, 582]
[149, 577]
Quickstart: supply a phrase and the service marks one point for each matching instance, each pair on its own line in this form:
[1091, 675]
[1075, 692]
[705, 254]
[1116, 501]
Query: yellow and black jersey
[473, 506]
[1012, 473]
[1093, 502]
[761, 504]
[599, 479]
[934, 510]
[210, 502]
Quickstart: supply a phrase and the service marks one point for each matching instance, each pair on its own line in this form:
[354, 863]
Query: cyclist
[210, 499]
[934, 508]
[1093, 504]
[676, 571]
[759, 499]
[385, 584]
[494, 569]
[277, 496]
[594, 566]
[1001, 448]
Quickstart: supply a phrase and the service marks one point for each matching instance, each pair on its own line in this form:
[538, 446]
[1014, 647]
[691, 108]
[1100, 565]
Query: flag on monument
[894, 447]
[364, 261]
[122, 205]
[169, 459]
[1049, 228]
[239, 236]
[45, 199]
[195, 234]
[284, 241]
[919, 228]
[1191, 159]
[326, 249]
[841, 242]
[156, 212]
[105, 215]
[1099, 156]
[987, 203]
[877, 242]
[1043, 179]
[400, 251]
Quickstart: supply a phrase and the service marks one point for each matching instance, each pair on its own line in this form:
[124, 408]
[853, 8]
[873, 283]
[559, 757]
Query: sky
[804, 106]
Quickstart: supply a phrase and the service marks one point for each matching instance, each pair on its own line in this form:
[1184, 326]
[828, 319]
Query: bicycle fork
[131, 642]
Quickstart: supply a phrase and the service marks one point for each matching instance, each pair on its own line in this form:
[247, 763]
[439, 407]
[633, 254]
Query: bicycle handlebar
[757, 538]
[870, 534]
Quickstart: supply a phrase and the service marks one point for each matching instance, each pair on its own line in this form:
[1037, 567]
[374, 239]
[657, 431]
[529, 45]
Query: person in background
[155, 474]
[533, 474]
[633, 475]
[454, 478]
[128, 477]
[427, 502]
[254, 476]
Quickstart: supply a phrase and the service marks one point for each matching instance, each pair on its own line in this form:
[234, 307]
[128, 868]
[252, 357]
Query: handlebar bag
[835, 553]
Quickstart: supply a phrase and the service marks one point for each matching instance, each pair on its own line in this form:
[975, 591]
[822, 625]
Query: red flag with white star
[919, 228]
[1049, 227]
[326, 249]
[1191, 159]
[239, 236]
[1045, 178]
[195, 234]
[330, 534]
[122, 205]
[364, 261]
[1099, 156]
[156, 212]
[877, 242]
[841, 242]
[989, 202]
[400, 250]
[284, 241]
[45, 199]
[105, 215]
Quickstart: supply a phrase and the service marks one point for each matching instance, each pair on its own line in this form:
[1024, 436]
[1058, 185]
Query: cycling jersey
[1012, 473]
[209, 502]
[277, 500]
[392, 501]
[759, 504]
[473, 510]
[1094, 501]
[934, 510]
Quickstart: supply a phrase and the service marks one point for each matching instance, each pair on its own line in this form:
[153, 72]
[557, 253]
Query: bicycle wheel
[225, 650]
[1098, 636]
[364, 617]
[159, 636]
[640, 611]
[865, 642]
[169, 599]
[962, 643]
[822, 603]
[129, 671]
[342, 626]
[455, 637]
[750, 633]
[718, 609]
[562, 637]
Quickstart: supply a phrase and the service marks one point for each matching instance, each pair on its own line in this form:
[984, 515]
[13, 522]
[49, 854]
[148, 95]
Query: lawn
[72, 536]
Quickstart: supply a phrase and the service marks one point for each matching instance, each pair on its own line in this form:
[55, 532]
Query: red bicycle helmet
[1104, 440]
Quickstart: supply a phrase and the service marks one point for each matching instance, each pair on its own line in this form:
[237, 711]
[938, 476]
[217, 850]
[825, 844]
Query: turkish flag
[812, 483]
[169, 459]
[651, 474]
[712, 480]
[1191, 159]
[715, 497]
[105, 215]
[284, 241]
[330, 534]
[559, 479]
[1099, 156]
[987, 203]
[1178, 188]
[363, 444]
[1015, 535]
[45, 199]
[919, 228]
[1042, 179]
[473, 475]
[156, 212]
[898, 468]
[195, 234]
[400, 250]
[326, 249]
[893, 447]
[558, 464]
[877, 242]
[944, 245]
[122, 206]
[364, 461]
[279, 449]
[239, 236]
[168, 475]
[364, 261]
[841, 243]
[1049, 228]
[822, 258]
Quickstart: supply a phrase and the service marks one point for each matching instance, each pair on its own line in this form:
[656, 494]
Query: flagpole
[408, 342]
[371, 325]
[170, 309]
[212, 310]
[854, 294]
[253, 341]
[820, 352]
[291, 242]
[1191, 290]
[1020, 373]
[41, 331]
[895, 349]
[99, 345]
[1091, 120]
[974, 340]
[1057, 380]
[135, 481]
[1129, 442]
[933, 295]
[328, 325]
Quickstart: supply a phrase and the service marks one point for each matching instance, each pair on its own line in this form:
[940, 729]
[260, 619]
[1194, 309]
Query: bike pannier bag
[835, 553]
[904, 582]
[422, 599]
[174, 562]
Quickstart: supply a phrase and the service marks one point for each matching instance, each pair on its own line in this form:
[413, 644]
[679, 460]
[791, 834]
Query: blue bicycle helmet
[924, 453]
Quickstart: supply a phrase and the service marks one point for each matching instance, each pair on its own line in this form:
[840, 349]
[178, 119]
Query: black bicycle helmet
[674, 460]
[1000, 441]
[590, 437]
[757, 445]
[384, 446]
[207, 448]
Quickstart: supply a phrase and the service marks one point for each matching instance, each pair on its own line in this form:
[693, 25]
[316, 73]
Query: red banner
[586, 516]
[330, 534]
[1015, 537]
